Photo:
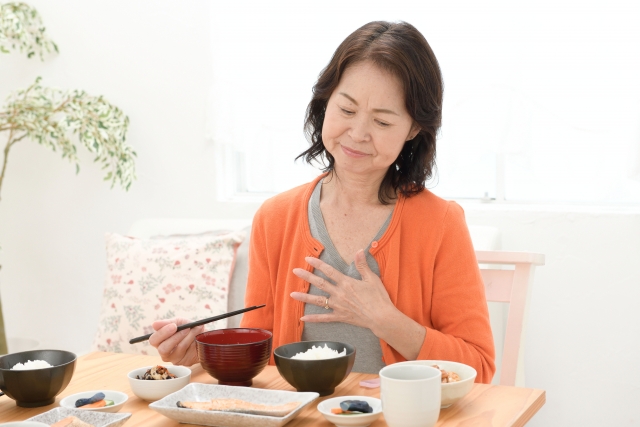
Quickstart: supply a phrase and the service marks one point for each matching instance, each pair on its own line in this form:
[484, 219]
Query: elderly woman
[365, 254]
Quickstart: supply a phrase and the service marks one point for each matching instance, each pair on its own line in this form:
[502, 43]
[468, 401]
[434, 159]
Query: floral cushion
[160, 278]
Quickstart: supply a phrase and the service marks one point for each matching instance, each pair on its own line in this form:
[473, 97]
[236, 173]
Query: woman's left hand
[357, 302]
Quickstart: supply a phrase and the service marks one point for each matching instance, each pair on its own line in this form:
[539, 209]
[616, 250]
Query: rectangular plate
[203, 392]
[98, 419]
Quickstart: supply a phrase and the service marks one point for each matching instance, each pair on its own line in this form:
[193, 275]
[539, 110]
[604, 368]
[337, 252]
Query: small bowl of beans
[152, 383]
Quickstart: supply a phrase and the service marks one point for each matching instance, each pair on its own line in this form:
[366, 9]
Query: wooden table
[485, 405]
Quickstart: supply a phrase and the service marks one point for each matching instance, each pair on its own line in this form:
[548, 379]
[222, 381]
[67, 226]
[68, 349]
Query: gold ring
[326, 304]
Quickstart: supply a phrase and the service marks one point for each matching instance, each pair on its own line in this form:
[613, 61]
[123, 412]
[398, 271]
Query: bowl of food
[97, 401]
[351, 411]
[315, 365]
[234, 356]
[457, 379]
[152, 383]
[34, 378]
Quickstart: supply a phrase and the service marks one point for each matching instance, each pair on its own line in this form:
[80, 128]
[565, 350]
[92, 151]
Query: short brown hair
[402, 50]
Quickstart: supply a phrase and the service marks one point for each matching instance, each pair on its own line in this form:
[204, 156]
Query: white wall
[152, 60]
[582, 339]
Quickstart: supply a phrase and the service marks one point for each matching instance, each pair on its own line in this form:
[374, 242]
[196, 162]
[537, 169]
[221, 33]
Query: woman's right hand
[178, 348]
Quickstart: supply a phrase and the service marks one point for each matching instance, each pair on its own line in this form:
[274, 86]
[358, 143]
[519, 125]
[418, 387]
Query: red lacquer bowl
[234, 356]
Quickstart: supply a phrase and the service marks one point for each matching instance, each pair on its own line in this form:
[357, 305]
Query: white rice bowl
[319, 353]
[31, 364]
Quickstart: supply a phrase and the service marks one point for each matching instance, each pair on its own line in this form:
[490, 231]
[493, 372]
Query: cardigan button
[374, 244]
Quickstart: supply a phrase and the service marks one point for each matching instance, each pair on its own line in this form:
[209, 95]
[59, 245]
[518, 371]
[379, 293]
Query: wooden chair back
[508, 278]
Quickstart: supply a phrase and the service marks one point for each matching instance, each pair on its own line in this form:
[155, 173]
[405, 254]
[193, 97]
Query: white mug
[410, 395]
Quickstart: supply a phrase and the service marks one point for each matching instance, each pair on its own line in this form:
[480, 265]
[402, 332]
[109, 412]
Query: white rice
[31, 364]
[319, 352]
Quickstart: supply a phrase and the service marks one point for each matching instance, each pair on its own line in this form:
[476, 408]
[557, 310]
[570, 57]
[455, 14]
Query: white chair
[511, 283]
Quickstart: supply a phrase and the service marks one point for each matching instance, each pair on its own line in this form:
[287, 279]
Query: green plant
[21, 28]
[51, 116]
[58, 118]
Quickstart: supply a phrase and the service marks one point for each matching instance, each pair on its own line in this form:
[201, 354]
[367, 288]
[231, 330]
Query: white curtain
[542, 101]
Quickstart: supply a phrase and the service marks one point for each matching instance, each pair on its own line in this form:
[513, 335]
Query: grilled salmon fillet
[71, 421]
[237, 405]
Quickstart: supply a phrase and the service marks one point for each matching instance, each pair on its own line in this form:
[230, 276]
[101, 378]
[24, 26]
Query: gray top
[368, 351]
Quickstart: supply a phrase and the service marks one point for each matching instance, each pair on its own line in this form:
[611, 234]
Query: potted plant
[56, 118]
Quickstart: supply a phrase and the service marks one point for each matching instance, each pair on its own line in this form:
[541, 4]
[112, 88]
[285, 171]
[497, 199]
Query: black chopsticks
[199, 322]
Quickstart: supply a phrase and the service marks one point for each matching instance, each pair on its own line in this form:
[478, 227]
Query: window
[542, 103]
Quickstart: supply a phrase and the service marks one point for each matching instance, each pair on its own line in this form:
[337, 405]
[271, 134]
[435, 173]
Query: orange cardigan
[427, 264]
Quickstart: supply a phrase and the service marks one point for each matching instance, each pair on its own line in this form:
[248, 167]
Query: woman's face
[366, 123]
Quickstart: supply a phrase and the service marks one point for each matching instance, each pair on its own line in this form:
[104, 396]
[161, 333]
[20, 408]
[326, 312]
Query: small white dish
[97, 419]
[203, 392]
[118, 397]
[359, 420]
[152, 390]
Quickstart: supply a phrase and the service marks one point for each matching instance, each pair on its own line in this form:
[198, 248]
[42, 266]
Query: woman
[365, 254]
